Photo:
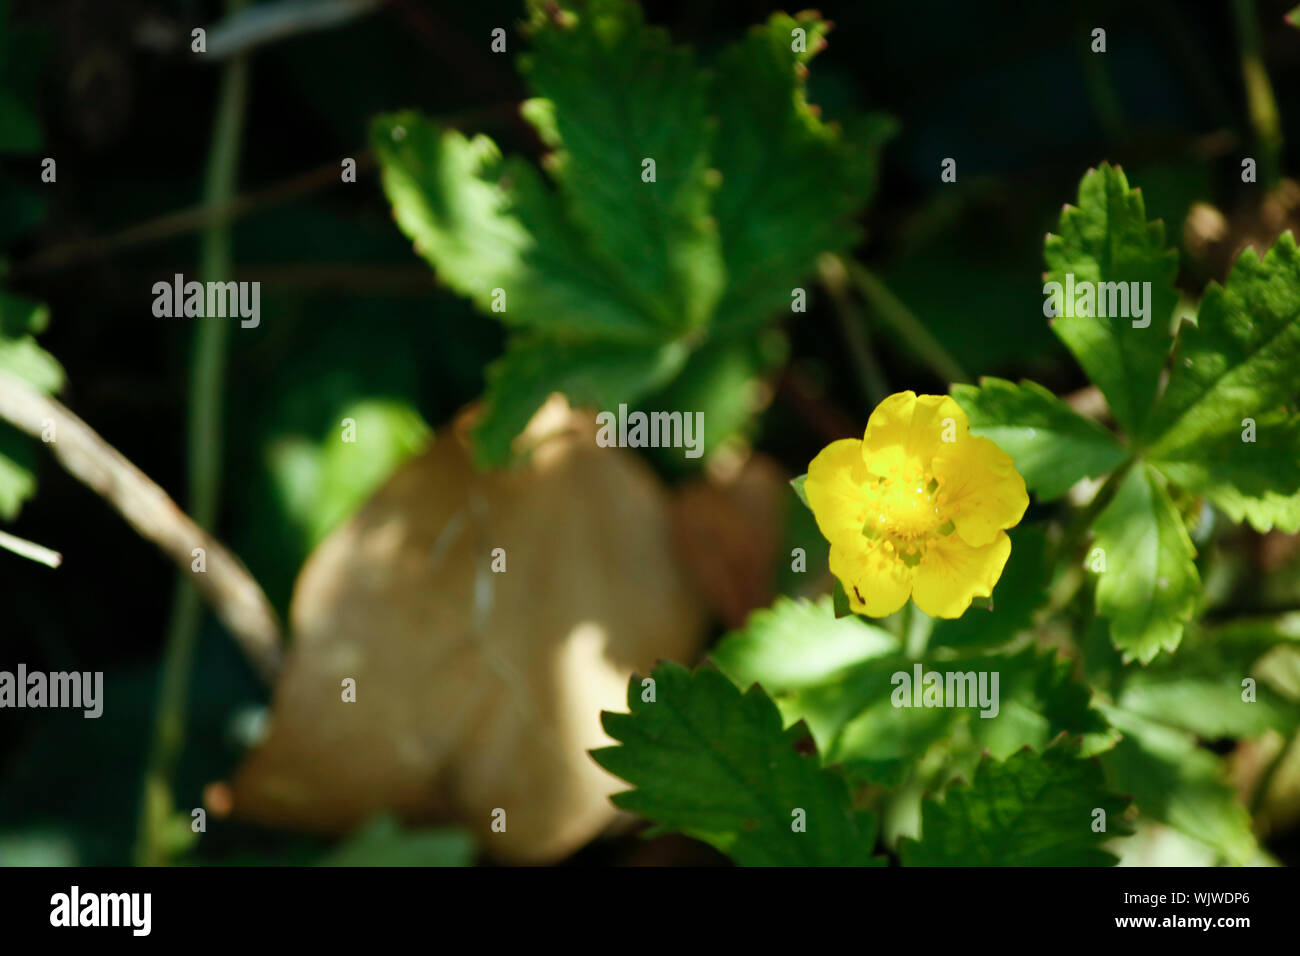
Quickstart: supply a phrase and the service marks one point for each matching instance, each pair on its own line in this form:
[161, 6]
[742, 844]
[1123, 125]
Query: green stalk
[891, 310]
[158, 835]
[1085, 517]
[1259, 94]
[853, 326]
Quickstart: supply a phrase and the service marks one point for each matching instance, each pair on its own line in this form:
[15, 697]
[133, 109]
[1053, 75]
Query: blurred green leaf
[322, 483]
[1020, 592]
[1174, 781]
[20, 319]
[383, 842]
[1032, 810]
[595, 374]
[716, 765]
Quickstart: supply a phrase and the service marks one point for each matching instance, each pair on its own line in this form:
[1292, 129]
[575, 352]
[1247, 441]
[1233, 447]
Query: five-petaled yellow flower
[918, 507]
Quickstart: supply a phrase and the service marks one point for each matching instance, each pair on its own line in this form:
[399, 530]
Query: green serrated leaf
[1174, 781]
[495, 235]
[716, 764]
[597, 374]
[1256, 481]
[797, 643]
[1052, 445]
[649, 104]
[791, 184]
[1150, 586]
[1031, 810]
[874, 718]
[1107, 238]
[1238, 360]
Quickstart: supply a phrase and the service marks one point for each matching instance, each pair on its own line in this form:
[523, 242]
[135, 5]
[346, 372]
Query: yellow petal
[884, 446]
[984, 492]
[906, 431]
[876, 581]
[834, 489]
[953, 572]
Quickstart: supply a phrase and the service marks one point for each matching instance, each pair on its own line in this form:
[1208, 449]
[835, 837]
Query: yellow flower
[918, 507]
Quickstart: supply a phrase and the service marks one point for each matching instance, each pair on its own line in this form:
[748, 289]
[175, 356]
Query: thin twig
[265, 23]
[233, 593]
[184, 221]
[890, 309]
[853, 326]
[30, 550]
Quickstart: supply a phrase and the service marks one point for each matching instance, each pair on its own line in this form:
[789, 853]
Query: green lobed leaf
[1150, 586]
[1256, 481]
[596, 374]
[1107, 238]
[485, 224]
[1031, 810]
[715, 764]
[839, 677]
[1200, 688]
[1238, 362]
[1174, 781]
[650, 102]
[791, 184]
[798, 643]
[1052, 445]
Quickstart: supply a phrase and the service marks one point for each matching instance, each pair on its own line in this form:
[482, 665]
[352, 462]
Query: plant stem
[1259, 94]
[1083, 520]
[30, 550]
[891, 310]
[204, 460]
[853, 326]
[234, 594]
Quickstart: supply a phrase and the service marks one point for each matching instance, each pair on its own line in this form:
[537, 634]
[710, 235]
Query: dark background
[349, 311]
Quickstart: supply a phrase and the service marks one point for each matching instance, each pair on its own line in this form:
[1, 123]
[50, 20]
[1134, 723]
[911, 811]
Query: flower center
[905, 511]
